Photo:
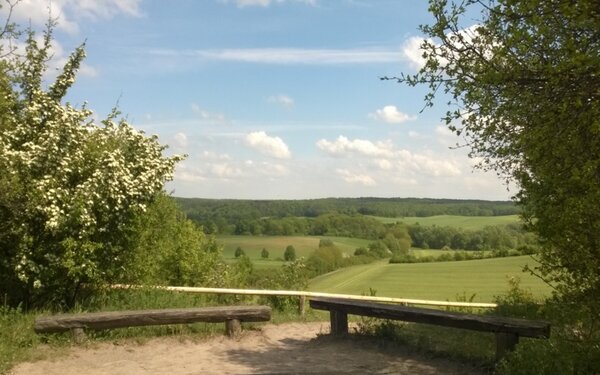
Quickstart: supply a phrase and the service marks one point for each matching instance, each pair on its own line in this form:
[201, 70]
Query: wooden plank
[429, 316]
[119, 319]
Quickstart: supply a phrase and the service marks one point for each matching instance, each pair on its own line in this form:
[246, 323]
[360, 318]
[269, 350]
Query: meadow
[275, 245]
[484, 278]
[464, 222]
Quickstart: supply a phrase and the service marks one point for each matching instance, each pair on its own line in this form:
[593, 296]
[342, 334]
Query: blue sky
[270, 99]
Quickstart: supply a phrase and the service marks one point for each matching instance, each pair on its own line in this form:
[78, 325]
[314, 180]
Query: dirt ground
[293, 348]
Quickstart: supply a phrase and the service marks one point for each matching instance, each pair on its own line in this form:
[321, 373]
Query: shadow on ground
[345, 355]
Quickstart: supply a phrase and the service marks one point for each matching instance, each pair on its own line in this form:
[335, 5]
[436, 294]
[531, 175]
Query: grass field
[304, 245]
[436, 281]
[465, 222]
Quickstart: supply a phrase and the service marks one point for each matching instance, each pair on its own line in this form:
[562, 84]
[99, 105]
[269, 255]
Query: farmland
[464, 222]
[275, 245]
[440, 281]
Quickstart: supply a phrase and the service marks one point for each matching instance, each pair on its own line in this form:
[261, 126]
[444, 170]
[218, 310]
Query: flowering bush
[70, 188]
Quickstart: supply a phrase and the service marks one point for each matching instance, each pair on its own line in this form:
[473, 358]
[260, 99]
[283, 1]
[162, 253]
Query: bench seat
[230, 315]
[507, 330]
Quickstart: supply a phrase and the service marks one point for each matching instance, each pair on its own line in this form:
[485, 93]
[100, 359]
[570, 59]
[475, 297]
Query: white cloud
[443, 131]
[289, 56]
[69, 12]
[282, 100]
[266, 3]
[210, 117]
[412, 52]
[181, 139]
[391, 115]
[267, 145]
[350, 177]
[342, 146]
[386, 157]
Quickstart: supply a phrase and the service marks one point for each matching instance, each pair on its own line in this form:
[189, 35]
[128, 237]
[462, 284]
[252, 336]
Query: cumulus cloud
[391, 115]
[342, 146]
[267, 145]
[412, 52]
[282, 100]
[385, 156]
[36, 12]
[354, 178]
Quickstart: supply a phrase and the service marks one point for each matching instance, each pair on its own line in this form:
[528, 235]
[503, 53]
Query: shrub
[289, 254]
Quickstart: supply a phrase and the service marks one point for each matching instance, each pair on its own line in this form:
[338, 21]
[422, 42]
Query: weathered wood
[486, 323]
[119, 319]
[505, 342]
[339, 323]
[233, 328]
[507, 330]
[78, 334]
[301, 305]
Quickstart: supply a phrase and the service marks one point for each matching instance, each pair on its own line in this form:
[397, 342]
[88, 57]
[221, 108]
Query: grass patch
[485, 278]
[464, 222]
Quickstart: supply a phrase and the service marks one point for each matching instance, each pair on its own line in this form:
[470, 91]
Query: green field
[465, 222]
[304, 245]
[435, 281]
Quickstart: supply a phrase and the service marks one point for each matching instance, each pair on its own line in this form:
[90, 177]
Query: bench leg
[233, 327]
[339, 322]
[505, 342]
[78, 334]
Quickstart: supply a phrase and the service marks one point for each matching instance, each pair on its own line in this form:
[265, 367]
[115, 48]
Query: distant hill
[200, 209]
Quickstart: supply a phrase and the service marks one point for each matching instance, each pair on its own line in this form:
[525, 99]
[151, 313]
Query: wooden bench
[507, 330]
[232, 316]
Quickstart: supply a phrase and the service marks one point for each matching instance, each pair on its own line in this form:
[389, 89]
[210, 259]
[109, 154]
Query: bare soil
[293, 348]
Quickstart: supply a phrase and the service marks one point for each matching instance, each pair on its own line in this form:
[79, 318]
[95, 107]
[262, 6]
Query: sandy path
[296, 348]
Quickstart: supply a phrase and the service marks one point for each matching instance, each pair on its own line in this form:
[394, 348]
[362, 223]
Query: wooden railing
[302, 295]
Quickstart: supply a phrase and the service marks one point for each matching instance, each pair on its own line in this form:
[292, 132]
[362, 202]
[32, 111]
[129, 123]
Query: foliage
[524, 85]
[70, 188]
[289, 254]
[326, 258]
[573, 347]
[264, 253]
[291, 276]
[239, 252]
[224, 216]
[17, 339]
[168, 249]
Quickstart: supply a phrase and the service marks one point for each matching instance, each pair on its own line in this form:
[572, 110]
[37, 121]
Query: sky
[270, 99]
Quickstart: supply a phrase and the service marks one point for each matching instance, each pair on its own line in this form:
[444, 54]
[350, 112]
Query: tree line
[231, 210]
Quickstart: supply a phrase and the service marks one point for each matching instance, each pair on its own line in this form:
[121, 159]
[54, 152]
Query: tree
[70, 188]
[264, 253]
[169, 249]
[289, 254]
[239, 252]
[524, 85]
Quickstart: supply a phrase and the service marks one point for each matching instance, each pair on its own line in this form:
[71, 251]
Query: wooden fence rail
[302, 295]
